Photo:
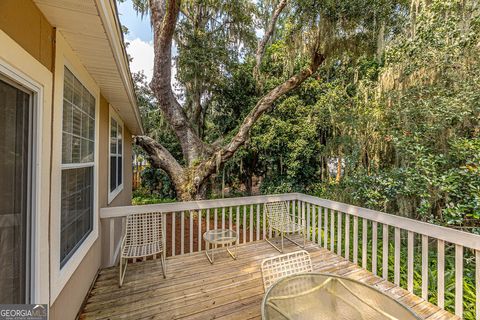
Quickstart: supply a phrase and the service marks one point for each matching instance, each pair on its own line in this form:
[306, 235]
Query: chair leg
[273, 245]
[122, 271]
[164, 264]
[281, 235]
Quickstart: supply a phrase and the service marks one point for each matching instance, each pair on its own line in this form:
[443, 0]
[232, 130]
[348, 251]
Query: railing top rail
[116, 212]
[462, 238]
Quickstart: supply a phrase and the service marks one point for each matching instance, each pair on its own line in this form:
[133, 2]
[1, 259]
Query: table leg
[233, 255]
[206, 252]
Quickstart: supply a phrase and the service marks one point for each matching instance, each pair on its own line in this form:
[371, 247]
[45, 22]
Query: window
[78, 143]
[116, 157]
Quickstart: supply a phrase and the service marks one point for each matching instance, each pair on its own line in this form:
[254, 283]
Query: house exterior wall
[25, 23]
[29, 44]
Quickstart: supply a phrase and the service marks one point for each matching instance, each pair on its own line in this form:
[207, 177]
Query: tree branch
[209, 167]
[266, 37]
[160, 157]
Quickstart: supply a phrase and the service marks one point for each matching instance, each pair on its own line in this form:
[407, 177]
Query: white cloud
[142, 54]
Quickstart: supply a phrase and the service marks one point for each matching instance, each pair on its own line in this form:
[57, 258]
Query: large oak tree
[314, 30]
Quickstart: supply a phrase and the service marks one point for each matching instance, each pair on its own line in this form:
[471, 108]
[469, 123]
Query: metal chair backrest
[144, 228]
[284, 265]
[277, 214]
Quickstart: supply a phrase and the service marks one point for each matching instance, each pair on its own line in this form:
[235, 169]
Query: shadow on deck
[195, 289]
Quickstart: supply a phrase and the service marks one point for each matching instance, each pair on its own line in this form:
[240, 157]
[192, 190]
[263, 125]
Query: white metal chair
[284, 265]
[281, 221]
[144, 236]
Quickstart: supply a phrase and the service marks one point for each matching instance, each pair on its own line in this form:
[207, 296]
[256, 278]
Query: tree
[312, 31]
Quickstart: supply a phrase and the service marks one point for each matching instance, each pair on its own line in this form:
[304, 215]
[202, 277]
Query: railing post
[355, 239]
[347, 236]
[374, 247]
[410, 254]
[339, 233]
[441, 273]
[425, 267]
[396, 267]
[385, 248]
[459, 280]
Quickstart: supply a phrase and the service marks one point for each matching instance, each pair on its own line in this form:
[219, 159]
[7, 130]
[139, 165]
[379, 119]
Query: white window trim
[19, 66]
[65, 57]
[113, 114]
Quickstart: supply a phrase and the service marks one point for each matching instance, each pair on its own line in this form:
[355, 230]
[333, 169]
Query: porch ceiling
[92, 29]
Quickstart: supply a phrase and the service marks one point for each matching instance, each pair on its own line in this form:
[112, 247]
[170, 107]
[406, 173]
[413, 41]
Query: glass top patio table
[220, 236]
[324, 296]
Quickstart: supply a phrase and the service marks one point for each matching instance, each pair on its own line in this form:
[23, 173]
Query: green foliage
[143, 196]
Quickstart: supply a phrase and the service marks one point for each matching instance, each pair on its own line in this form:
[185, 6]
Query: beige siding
[24, 23]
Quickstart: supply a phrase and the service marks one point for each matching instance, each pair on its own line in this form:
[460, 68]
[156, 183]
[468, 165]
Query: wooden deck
[195, 289]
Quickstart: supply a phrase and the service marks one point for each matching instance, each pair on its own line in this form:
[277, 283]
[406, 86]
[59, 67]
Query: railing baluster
[308, 221]
[374, 247]
[385, 248]
[294, 211]
[477, 284]
[230, 218]
[200, 230]
[347, 236]
[251, 223]
[208, 219]
[258, 221]
[319, 212]
[303, 215]
[173, 233]
[325, 232]
[215, 218]
[396, 266]
[223, 218]
[355, 239]
[364, 242]
[264, 219]
[410, 253]
[244, 224]
[332, 231]
[441, 273]
[314, 223]
[425, 267]
[459, 280]
[182, 232]
[191, 231]
[339, 233]
[237, 219]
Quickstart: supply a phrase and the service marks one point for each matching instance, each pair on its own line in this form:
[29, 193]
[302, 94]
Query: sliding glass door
[15, 191]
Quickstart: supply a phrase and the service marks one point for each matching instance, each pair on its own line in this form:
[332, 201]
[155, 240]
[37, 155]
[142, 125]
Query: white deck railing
[330, 224]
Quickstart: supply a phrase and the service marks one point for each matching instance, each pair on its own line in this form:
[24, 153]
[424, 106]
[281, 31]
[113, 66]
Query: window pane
[77, 209]
[91, 129]
[85, 123]
[77, 121]
[119, 144]
[119, 171]
[66, 148]
[113, 170]
[67, 116]
[113, 137]
[76, 150]
[77, 93]
[91, 104]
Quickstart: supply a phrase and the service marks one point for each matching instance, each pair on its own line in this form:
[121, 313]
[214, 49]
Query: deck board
[228, 289]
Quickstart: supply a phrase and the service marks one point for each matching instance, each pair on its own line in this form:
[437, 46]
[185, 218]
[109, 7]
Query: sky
[139, 37]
